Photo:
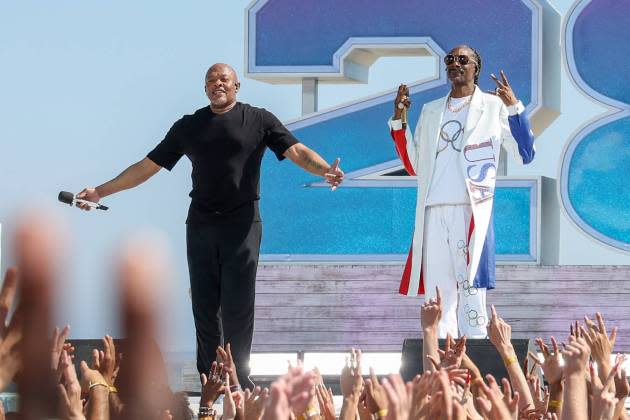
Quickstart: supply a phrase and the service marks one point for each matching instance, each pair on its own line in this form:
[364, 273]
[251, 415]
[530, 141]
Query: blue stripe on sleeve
[521, 131]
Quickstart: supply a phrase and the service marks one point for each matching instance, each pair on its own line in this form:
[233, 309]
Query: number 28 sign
[371, 217]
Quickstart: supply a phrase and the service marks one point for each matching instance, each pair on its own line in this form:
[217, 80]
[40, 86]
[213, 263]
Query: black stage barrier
[482, 352]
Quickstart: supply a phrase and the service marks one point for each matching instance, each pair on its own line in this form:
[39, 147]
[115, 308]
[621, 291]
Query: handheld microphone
[403, 117]
[69, 198]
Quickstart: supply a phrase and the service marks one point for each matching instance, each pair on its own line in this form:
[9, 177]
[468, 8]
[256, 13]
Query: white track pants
[444, 264]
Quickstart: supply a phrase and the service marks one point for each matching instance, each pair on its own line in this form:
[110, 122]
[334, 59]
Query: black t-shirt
[226, 151]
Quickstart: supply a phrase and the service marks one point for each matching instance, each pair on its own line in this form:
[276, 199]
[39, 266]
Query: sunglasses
[461, 59]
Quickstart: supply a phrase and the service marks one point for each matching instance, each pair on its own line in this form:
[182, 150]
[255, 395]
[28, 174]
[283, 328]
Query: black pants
[222, 261]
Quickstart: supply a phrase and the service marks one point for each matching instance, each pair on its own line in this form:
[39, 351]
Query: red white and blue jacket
[489, 126]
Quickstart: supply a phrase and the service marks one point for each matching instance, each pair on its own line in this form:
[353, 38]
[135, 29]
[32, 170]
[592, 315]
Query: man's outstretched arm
[312, 162]
[131, 177]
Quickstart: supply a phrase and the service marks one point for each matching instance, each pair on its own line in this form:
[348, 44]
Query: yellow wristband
[113, 389]
[510, 360]
[380, 414]
[310, 412]
[555, 403]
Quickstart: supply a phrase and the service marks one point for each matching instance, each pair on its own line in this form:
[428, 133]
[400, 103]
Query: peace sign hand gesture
[504, 90]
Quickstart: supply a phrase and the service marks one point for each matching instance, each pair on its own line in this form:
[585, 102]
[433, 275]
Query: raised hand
[229, 405]
[466, 399]
[511, 401]
[334, 175]
[278, 406]
[376, 397]
[431, 312]
[491, 401]
[603, 400]
[213, 386]
[622, 387]
[254, 403]
[92, 382]
[500, 333]
[291, 392]
[399, 397]
[402, 101]
[58, 344]
[142, 266]
[363, 411]
[541, 398]
[70, 390]
[453, 352]
[105, 360]
[576, 355]
[551, 363]
[504, 90]
[351, 381]
[325, 401]
[90, 377]
[420, 395]
[38, 245]
[301, 388]
[599, 341]
[225, 355]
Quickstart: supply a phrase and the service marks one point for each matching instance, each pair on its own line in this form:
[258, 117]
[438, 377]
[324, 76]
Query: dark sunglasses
[461, 59]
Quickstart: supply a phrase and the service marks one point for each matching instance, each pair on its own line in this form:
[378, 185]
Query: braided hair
[478, 60]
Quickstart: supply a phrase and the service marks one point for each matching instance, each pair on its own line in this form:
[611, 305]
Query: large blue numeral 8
[595, 188]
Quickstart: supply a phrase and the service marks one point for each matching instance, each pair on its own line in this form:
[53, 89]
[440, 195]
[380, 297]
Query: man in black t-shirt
[225, 142]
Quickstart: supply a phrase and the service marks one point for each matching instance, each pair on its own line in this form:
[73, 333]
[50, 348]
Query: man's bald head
[221, 67]
[221, 87]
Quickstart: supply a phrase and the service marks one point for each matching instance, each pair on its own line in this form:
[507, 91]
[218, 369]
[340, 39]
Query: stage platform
[315, 308]
[332, 308]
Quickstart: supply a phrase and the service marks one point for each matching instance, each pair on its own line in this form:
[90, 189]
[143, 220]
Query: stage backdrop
[87, 89]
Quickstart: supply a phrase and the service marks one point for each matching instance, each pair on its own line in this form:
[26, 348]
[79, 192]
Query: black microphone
[69, 198]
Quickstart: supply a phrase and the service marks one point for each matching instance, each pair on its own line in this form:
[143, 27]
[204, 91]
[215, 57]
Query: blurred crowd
[576, 377]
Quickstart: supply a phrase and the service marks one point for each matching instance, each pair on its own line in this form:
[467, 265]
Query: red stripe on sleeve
[400, 140]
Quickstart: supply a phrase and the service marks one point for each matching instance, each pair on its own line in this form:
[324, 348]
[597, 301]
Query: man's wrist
[602, 363]
[351, 398]
[506, 351]
[555, 390]
[430, 330]
[100, 191]
[205, 402]
[99, 393]
[577, 375]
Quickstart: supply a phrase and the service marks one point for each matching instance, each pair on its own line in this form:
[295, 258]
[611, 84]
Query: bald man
[225, 142]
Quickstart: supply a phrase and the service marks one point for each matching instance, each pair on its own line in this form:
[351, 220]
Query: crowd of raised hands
[451, 387]
[573, 381]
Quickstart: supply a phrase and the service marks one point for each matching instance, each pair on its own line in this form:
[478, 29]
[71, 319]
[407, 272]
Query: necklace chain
[456, 109]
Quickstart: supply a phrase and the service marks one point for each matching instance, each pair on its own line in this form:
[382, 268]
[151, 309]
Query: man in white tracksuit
[455, 154]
